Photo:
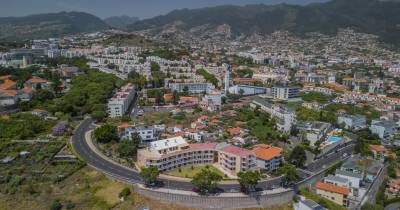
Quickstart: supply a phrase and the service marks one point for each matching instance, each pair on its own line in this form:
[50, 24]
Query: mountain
[120, 21]
[378, 17]
[49, 25]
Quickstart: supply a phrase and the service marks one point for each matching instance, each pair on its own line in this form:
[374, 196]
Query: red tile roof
[332, 188]
[237, 151]
[266, 152]
[204, 146]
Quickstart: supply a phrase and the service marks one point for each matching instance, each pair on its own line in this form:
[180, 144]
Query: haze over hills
[120, 21]
[49, 25]
[370, 16]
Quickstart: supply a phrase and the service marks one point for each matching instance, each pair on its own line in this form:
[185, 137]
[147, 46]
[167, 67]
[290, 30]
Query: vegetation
[290, 175]
[248, 180]
[166, 53]
[208, 77]
[321, 201]
[190, 172]
[298, 156]
[48, 25]
[24, 126]
[137, 79]
[326, 18]
[315, 97]
[149, 174]
[206, 181]
[106, 133]
[243, 73]
[369, 206]
[367, 111]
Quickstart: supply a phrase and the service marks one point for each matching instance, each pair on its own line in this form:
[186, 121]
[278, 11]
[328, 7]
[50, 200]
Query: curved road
[123, 174]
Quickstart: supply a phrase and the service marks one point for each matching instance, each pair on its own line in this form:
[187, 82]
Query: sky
[105, 8]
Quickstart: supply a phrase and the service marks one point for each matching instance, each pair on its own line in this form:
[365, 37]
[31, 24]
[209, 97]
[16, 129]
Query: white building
[286, 118]
[384, 128]
[146, 133]
[285, 93]
[353, 122]
[191, 87]
[119, 104]
[247, 90]
[306, 204]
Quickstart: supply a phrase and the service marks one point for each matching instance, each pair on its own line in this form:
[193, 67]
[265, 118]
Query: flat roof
[167, 143]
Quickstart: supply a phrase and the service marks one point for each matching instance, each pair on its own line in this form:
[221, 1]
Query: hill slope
[49, 25]
[370, 16]
[120, 21]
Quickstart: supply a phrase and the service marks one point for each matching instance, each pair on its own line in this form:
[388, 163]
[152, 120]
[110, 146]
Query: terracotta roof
[124, 126]
[5, 77]
[266, 152]
[203, 146]
[36, 80]
[7, 84]
[235, 131]
[332, 188]
[237, 151]
[377, 148]
[27, 90]
[8, 92]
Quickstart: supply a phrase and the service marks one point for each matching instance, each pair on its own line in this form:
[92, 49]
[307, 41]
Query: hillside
[48, 25]
[369, 16]
[120, 21]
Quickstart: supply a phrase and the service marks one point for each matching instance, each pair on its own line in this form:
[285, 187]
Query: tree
[99, 115]
[249, 180]
[125, 193]
[56, 205]
[136, 139]
[298, 156]
[149, 174]
[290, 175]
[206, 181]
[369, 206]
[106, 133]
[241, 92]
[126, 148]
[175, 97]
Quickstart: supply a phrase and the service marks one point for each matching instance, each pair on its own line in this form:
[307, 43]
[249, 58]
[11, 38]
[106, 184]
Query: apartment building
[333, 193]
[315, 131]
[194, 87]
[119, 104]
[353, 122]
[146, 133]
[268, 158]
[384, 128]
[285, 93]
[286, 118]
[173, 153]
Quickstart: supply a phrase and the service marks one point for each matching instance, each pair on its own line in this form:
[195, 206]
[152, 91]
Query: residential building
[268, 158]
[353, 122]
[173, 153]
[315, 131]
[286, 118]
[285, 93]
[307, 204]
[119, 104]
[379, 151]
[337, 194]
[36, 82]
[8, 97]
[146, 133]
[247, 90]
[191, 87]
[384, 128]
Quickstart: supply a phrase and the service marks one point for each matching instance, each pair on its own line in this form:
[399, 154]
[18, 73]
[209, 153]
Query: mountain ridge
[49, 25]
[370, 16]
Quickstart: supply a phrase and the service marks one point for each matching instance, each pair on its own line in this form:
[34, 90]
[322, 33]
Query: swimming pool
[334, 139]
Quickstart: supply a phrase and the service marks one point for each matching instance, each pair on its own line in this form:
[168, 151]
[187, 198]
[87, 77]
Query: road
[393, 206]
[121, 173]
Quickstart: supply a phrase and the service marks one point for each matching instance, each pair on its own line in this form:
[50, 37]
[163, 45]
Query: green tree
[126, 148]
[290, 175]
[175, 97]
[149, 174]
[248, 180]
[106, 133]
[298, 156]
[125, 193]
[206, 181]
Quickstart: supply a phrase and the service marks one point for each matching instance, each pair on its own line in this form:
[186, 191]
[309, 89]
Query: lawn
[189, 172]
[322, 201]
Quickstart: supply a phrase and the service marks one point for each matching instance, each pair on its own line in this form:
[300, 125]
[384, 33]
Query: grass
[190, 172]
[86, 189]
